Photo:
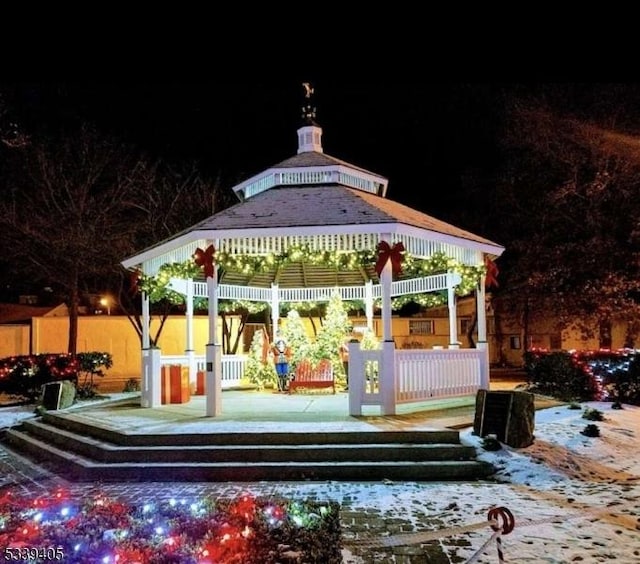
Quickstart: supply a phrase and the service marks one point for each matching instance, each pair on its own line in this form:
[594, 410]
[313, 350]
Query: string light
[156, 287]
[106, 530]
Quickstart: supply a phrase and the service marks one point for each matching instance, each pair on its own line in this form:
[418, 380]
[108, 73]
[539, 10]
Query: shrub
[560, 375]
[90, 365]
[131, 385]
[574, 405]
[277, 530]
[623, 380]
[25, 375]
[593, 414]
[591, 430]
[491, 443]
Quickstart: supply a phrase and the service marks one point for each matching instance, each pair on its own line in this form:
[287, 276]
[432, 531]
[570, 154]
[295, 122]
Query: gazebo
[313, 225]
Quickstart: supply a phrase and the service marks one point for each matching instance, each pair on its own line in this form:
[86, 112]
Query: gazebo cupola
[310, 134]
[311, 166]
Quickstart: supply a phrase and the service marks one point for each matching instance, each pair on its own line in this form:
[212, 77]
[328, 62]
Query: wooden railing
[430, 374]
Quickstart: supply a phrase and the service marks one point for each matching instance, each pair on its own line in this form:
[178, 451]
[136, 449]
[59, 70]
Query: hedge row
[585, 375]
[25, 375]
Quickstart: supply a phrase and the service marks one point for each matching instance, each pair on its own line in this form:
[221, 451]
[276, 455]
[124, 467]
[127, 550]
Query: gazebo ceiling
[300, 275]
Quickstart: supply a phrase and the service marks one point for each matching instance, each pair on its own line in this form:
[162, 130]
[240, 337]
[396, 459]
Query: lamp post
[106, 302]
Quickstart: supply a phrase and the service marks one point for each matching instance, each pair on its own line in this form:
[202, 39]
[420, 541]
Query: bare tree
[568, 203]
[70, 214]
[170, 198]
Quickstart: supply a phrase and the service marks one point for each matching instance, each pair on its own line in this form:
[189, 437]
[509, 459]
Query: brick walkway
[29, 479]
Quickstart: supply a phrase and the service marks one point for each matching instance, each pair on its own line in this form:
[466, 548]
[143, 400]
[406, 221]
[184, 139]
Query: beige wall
[115, 334]
[573, 339]
[14, 340]
[541, 330]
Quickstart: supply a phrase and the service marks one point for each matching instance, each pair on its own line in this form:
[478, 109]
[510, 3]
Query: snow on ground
[10, 416]
[574, 498]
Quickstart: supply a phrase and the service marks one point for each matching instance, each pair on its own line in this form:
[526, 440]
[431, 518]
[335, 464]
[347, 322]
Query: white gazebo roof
[324, 204]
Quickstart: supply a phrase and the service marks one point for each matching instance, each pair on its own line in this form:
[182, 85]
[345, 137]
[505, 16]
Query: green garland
[156, 286]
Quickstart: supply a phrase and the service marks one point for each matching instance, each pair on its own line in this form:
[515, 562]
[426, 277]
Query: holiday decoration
[156, 287]
[491, 276]
[207, 530]
[388, 253]
[204, 259]
[134, 281]
[26, 374]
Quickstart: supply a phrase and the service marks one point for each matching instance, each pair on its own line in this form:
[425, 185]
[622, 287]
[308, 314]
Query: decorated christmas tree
[259, 369]
[333, 333]
[297, 338]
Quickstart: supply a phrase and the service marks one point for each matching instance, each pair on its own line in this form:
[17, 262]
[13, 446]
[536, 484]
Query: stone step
[76, 467]
[80, 425]
[259, 451]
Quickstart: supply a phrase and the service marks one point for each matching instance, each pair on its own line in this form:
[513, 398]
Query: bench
[306, 376]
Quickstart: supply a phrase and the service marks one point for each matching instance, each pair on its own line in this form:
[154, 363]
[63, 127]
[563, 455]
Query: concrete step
[72, 445]
[260, 451]
[76, 467]
[81, 426]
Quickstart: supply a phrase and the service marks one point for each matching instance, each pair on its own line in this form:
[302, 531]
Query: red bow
[205, 259]
[491, 276]
[134, 281]
[386, 252]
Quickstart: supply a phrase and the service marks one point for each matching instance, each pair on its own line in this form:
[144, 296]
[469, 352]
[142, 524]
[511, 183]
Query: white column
[214, 351]
[146, 320]
[145, 360]
[386, 377]
[387, 381]
[481, 308]
[151, 366]
[368, 303]
[212, 296]
[275, 309]
[483, 345]
[189, 352]
[386, 277]
[452, 281]
[356, 378]
[214, 380]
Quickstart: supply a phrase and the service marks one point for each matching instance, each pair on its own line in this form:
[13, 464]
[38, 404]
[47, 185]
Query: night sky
[430, 140]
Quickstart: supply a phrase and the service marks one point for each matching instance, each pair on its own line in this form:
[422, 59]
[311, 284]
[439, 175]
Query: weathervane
[308, 110]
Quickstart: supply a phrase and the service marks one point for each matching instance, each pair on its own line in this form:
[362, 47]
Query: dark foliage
[591, 430]
[560, 375]
[593, 414]
[245, 529]
[586, 375]
[25, 375]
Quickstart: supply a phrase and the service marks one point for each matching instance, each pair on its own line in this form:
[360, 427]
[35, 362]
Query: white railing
[430, 374]
[423, 248]
[399, 288]
[232, 366]
[372, 362]
[306, 177]
[422, 285]
[259, 185]
[231, 292]
[276, 245]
